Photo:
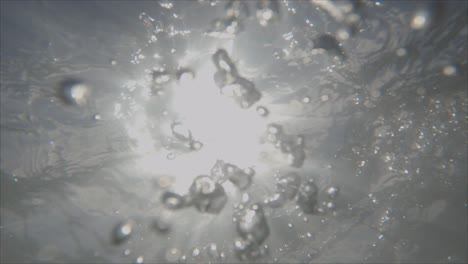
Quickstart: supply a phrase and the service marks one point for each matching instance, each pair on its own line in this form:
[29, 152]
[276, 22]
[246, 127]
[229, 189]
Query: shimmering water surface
[233, 131]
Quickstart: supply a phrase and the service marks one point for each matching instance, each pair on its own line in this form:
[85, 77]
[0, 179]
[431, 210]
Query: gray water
[328, 132]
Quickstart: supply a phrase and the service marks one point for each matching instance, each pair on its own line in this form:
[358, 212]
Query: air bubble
[342, 34]
[401, 52]
[252, 224]
[240, 178]
[276, 200]
[226, 28]
[171, 156]
[74, 92]
[172, 200]
[213, 251]
[262, 111]
[296, 157]
[196, 145]
[243, 92]
[139, 260]
[222, 171]
[195, 252]
[160, 77]
[207, 195]
[122, 232]
[173, 255]
[161, 226]
[185, 75]
[245, 198]
[333, 192]
[247, 249]
[166, 4]
[419, 21]
[267, 11]
[449, 70]
[237, 9]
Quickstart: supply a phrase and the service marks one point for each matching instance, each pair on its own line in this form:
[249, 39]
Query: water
[111, 112]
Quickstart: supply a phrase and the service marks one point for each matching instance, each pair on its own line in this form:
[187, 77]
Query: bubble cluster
[242, 178]
[307, 197]
[232, 23]
[292, 146]
[160, 79]
[253, 230]
[231, 83]
[288, 185]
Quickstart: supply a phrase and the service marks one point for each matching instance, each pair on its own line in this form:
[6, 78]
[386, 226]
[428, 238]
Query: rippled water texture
[230, 131]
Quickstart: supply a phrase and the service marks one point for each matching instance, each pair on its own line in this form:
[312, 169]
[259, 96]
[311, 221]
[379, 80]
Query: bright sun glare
[227, 132]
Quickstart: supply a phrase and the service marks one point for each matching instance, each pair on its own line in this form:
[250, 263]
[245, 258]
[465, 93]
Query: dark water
[105, 106]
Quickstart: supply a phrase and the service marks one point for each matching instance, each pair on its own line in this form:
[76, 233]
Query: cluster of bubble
[207, 193]
[290, 187]
[231, 83]
[223, 171]
[237, 12]
[292, 146]
[253, 230]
